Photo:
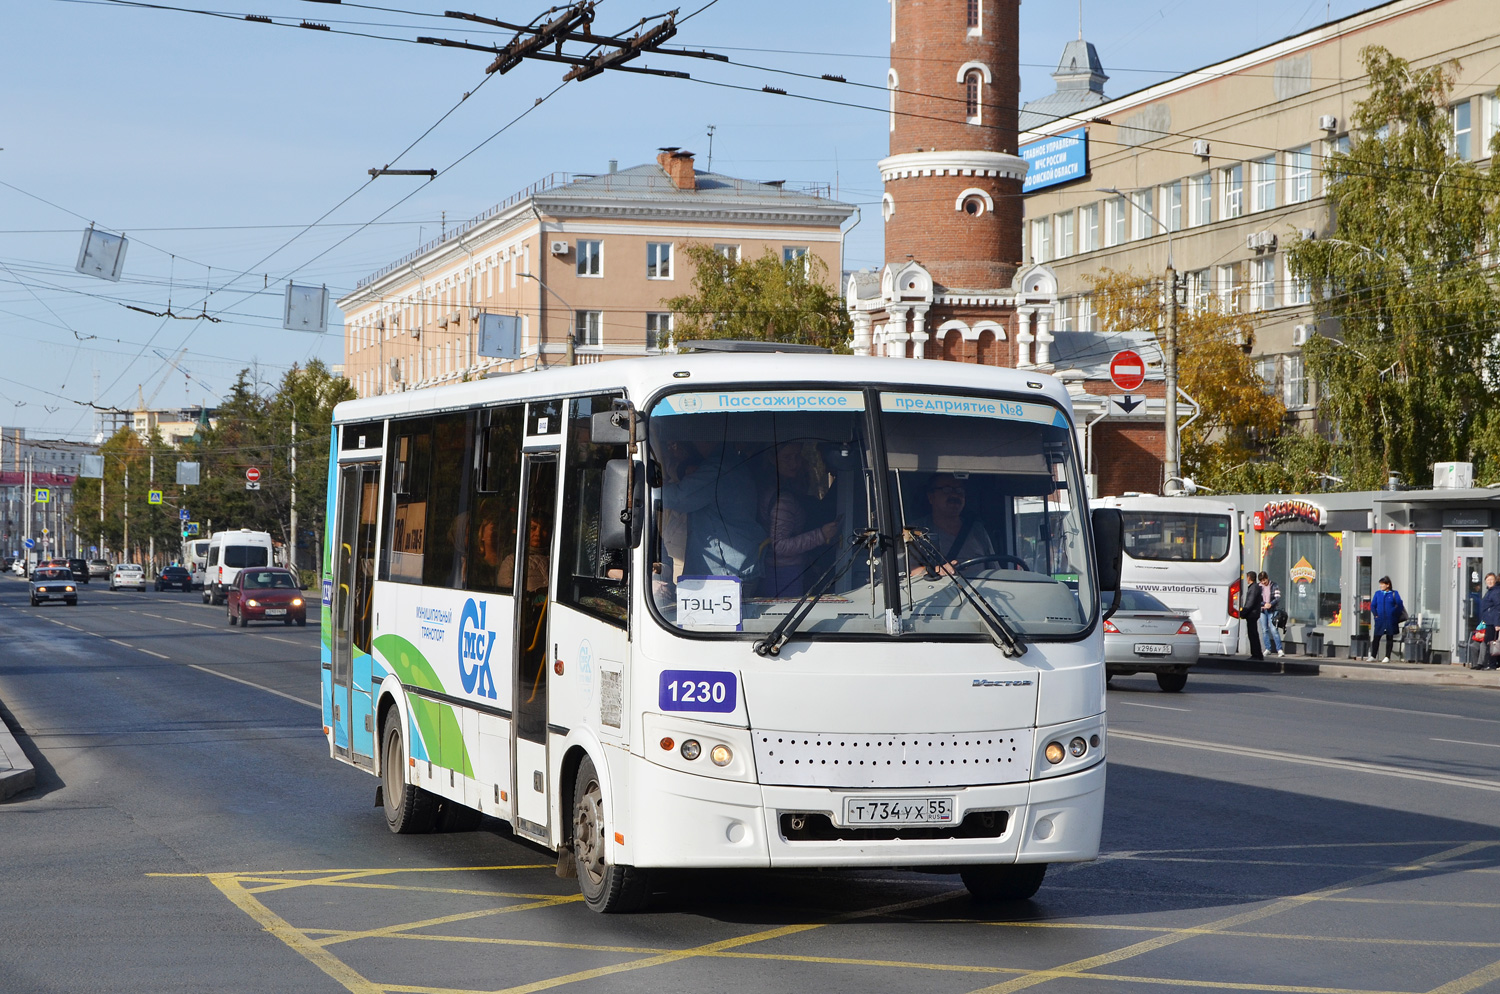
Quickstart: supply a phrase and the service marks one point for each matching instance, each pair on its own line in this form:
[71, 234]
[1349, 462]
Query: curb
[16, 772]
[1430, 675]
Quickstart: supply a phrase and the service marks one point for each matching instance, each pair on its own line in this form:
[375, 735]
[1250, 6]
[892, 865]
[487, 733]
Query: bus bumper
[682, 820]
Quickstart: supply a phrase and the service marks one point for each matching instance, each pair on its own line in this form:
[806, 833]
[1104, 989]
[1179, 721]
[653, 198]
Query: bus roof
[642, 377]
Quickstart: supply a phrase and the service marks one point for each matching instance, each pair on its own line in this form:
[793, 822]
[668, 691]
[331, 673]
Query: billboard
[1060, 159]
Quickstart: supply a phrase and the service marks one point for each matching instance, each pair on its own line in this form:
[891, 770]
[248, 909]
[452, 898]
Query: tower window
[973, 15]
[973, 206]
[972, 83]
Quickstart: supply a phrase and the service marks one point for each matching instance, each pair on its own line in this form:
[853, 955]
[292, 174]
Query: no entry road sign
[1128, 370]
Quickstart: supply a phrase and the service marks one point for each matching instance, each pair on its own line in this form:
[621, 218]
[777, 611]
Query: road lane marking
[1377, 769]
[274, 638]
[1158, 707]
[257, 686]
[1473, 981]
[297, 940]
[1377, 707]
[1083, 967]
[1487, 745]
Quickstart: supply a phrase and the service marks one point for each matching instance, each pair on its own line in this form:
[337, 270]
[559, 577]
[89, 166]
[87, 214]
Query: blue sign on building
[1059, 159]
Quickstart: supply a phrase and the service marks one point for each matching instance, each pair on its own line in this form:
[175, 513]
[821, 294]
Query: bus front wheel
[608, 888]
[1015, 882]
[409, 810]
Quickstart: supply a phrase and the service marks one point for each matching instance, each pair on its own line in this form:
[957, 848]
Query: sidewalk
[1441, 674]
[16, 773]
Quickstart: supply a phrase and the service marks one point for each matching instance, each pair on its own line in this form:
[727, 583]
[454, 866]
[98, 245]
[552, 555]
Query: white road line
[1159, 707]
[248, 683]
[1377, 707]
[1487, 745]
[1377, 769]
[274, 638]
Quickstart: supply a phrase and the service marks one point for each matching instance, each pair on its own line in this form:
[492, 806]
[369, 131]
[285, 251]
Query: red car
[265, 594]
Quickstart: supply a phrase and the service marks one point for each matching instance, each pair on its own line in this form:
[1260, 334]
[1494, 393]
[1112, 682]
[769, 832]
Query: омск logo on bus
[475, 643]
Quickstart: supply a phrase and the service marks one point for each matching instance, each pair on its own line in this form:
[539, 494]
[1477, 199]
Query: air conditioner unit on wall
[559, 248]
[1301, 333]
[1200, 148]
[1328, 123]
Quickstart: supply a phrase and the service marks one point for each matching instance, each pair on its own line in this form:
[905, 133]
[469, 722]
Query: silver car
[127, 576]
[1146, 636]
[53, 584]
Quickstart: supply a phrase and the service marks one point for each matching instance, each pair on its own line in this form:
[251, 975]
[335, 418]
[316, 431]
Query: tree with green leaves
[1238, 418]
[1405, 283]
[766, 299]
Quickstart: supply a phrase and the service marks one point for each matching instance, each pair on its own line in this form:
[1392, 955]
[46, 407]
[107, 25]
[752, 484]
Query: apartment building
[1220, 168]
[583, 263]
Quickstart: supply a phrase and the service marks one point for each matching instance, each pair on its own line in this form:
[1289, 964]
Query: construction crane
[146, 402]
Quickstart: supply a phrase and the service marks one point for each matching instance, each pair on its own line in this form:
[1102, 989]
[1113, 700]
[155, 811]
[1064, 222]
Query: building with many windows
[1220, 168]
[583, 262]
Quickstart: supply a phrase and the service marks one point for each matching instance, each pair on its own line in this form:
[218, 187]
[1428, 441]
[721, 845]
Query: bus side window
[590, 578]
[448, 501]
[495, 503]
[406, 525]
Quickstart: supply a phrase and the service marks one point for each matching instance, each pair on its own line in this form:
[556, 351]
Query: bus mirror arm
[1109, 547]
[620, 517]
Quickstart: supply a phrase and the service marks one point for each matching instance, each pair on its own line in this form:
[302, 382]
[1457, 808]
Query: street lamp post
[1171, 468]
[541, 329]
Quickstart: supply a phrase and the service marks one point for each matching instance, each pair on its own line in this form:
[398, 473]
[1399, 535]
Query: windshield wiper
[1004, 636]
[870, 539]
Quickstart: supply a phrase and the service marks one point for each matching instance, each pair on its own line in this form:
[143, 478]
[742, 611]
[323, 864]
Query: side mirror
[610, 428]
[621, 512]
[1109, 546]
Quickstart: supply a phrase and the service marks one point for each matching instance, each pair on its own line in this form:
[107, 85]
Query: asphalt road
[190, 833]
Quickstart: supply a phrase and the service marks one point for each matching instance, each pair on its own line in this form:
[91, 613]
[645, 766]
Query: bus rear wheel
[608, 888]
[992, 884]
[409, 810]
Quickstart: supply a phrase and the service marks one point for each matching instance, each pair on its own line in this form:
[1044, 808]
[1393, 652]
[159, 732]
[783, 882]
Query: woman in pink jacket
[790, 543]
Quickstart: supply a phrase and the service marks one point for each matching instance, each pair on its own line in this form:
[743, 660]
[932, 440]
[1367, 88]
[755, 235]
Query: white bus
[849, 617]
[1187, 552]
[195, 558]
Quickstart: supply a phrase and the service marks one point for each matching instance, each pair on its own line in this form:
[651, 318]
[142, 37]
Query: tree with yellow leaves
[1239, 418]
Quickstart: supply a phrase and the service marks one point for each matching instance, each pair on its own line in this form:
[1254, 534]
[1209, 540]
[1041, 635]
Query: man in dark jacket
[1489, 613]
[1251, 603]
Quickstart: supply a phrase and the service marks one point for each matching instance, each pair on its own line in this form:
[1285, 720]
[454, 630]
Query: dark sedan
[80, 568]
[174, 578]
[265, 594]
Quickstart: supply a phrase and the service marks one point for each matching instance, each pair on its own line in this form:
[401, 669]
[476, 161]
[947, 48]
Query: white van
[228, 553]
[195, 558]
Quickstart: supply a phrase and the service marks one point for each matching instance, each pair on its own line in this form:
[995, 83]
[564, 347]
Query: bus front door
[353, 600]
[533, 585]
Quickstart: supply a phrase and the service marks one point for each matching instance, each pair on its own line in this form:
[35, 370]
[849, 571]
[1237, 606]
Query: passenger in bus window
[955, 537]
[538, 560]
[713, 487]
[795, 483]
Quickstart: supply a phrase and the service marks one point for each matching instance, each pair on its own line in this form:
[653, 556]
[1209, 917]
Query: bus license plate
[1152, 649]
[898, 811]
[272, 612]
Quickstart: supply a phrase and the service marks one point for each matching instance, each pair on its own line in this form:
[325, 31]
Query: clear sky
[214, 142]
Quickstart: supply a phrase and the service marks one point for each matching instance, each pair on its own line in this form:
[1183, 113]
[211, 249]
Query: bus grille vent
[806, 759]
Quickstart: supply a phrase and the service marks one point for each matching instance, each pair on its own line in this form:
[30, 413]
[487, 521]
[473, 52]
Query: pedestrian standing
[1489, 613]
[1387, 612]
[1270, 598]
[1250, 609]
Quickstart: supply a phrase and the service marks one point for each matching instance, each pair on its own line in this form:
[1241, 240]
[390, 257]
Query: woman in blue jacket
[1387, 612]
[1489, 613]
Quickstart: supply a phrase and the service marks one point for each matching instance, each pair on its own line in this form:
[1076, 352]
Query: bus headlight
[699, 748]
[721, 755]
[691, 749]
[1055, 753]
[1077, 747]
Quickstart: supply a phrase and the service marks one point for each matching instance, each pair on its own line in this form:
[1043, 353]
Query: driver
[957, 539]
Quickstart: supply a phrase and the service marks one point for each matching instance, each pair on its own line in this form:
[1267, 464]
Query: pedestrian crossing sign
[153, 497]
[43, 495]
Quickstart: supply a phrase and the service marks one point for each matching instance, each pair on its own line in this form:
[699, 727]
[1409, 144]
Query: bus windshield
[760, 497]
[1177, 536]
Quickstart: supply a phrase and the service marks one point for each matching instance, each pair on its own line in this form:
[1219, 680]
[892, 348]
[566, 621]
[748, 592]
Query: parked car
[127, 575]
[1146, 636]
[266, 594]
[174, 578]
[80, 570]
[100, 567]
[53, 584]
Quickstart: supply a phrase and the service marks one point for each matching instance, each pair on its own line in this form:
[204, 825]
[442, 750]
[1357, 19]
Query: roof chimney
[614, 165]
[679, 168]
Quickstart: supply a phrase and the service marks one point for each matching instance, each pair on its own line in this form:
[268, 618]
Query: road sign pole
[1171, 464]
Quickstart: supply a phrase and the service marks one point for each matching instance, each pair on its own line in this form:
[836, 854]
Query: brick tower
[952, 204]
